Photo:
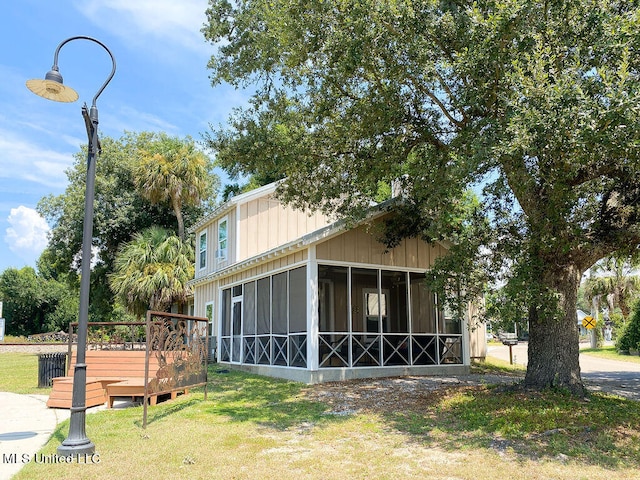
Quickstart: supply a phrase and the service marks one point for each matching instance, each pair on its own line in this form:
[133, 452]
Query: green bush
[618, 323]
[630, 338]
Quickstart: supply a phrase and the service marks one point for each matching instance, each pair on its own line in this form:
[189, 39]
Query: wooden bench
[134, 387]
[110, 374]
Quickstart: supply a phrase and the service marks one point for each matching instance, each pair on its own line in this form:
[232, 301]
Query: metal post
[77, 441]
[148, 348]
[52, 88]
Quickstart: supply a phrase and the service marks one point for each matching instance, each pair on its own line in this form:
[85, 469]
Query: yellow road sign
[589, 322]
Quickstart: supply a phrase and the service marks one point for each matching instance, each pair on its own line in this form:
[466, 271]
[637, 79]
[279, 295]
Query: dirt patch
[393, 394]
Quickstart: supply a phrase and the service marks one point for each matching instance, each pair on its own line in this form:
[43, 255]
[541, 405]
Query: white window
[213, 331]
[221, 253]
[202, 250]
[208, 312]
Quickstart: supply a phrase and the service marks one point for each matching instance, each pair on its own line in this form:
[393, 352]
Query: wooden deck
[110, 374]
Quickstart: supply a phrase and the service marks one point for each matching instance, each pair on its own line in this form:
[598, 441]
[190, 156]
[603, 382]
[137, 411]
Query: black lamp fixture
[52, 88]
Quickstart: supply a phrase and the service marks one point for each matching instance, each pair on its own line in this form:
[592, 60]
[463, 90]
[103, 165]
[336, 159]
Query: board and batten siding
[477, 331]
[266, 224]
[214, 264]
[205, 293]
[265, 269]
[360, 246]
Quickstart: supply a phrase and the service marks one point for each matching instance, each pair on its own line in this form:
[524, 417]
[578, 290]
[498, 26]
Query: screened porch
[365, 317]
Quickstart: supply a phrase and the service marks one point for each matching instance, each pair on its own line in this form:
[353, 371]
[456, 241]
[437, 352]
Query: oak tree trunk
[553, 352]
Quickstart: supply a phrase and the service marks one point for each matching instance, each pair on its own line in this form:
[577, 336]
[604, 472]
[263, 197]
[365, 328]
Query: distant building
[581, 330]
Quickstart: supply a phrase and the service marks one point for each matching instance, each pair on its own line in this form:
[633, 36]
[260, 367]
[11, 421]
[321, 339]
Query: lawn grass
[257, 427]
[20, 373]
[15, 339]
[498, 366]
[610, 353]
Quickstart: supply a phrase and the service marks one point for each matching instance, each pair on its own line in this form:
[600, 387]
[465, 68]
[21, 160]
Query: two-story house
[299, 296]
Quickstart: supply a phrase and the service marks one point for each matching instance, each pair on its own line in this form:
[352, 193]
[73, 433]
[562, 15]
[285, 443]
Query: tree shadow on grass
[60, 433]
[278, 404]
[604, 431]
[166, 409]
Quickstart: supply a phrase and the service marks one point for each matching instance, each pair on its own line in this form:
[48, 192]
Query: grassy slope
[255, 427]
[20, 373]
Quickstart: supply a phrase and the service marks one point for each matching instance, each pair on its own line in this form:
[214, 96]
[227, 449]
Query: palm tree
[175, 172]
[152, 270]
[613, 280]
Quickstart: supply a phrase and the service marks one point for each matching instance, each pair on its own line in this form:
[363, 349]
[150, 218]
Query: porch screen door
[236, 329]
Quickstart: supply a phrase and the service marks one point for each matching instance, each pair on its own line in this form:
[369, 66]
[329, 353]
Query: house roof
[581, 315]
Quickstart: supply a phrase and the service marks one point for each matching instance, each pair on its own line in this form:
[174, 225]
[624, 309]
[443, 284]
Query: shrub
[617, 324]
[630, 338]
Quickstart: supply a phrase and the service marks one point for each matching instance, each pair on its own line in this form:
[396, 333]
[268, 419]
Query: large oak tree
[536, 102]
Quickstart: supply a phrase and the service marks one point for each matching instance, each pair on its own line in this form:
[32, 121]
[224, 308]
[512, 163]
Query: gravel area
[413, 393]
[33, 348]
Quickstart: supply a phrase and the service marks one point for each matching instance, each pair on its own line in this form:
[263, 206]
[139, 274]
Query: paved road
[599, 374]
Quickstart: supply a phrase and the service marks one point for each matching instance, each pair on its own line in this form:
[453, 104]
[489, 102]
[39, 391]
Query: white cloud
[167, 21]
[129, 119]
[27, 233]
[24, 160]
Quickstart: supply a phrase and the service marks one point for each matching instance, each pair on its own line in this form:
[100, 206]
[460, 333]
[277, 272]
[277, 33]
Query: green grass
[604, 431]
[15, 339]
[610, 353]
[20, 373]
[257, 427]
[497, 366]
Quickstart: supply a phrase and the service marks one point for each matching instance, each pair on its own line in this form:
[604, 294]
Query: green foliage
[534, 102]
[34, 304]
[22, 299]
[171, 171]
[583, 304]
[152, 271]
[617, 324]
[613, 281]
[503, 316]
[121, 209]
[630, 337]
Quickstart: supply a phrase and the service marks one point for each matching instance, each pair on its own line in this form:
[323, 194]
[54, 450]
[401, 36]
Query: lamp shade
[52, 90]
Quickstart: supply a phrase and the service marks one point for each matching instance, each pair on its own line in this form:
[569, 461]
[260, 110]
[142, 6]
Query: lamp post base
[75, 448]
[77, 442]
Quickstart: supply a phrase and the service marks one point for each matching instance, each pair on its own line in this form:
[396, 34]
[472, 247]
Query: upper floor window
[221, 253]
[202, 250]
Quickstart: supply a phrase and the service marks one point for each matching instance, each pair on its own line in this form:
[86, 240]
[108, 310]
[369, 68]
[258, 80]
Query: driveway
[598, 374]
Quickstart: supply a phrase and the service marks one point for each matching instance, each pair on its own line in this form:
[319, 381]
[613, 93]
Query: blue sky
[161, 84]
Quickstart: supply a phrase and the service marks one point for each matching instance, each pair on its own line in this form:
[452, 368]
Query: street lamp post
[52, 88]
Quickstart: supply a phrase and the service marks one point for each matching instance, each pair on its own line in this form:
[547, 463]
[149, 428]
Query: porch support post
[312, 311]
[466, 334]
